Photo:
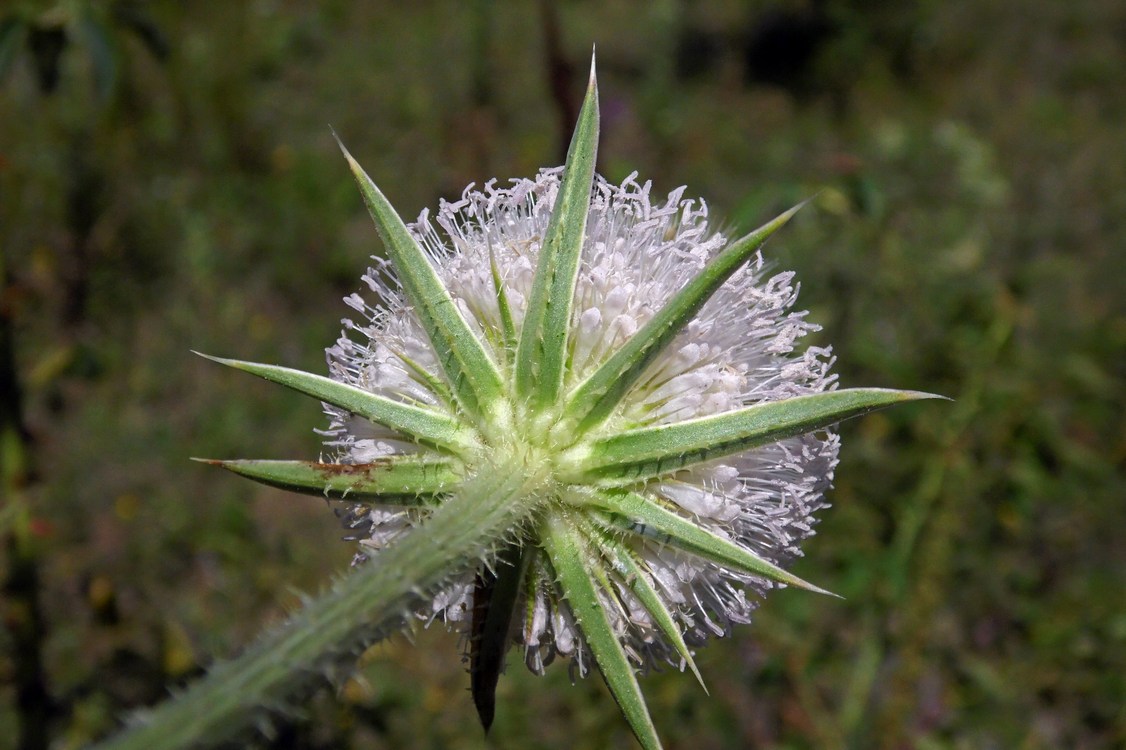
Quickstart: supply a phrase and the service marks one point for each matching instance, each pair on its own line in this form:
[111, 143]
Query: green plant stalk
[368, 604]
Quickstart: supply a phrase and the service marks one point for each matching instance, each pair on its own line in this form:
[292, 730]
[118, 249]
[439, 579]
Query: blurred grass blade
[633, 512]
[569, 558]
[12, 32]
[472, 375]
[134, 18]
[622, 559]
[415, 422]
[541, 355]
[597, 396]
[99, 45]
[403, 480]
[650, 452]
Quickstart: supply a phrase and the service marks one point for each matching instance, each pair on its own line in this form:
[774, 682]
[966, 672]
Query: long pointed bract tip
[789, 213]
[905, 396]
[803, 204]
[212, 357]
[699, 677]
[343, 148]
[804, 584]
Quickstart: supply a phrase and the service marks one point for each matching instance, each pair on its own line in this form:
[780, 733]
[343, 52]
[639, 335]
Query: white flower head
[625, 382]
[738, 351]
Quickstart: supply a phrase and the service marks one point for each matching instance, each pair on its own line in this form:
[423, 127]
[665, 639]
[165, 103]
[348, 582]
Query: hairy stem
[362, 608]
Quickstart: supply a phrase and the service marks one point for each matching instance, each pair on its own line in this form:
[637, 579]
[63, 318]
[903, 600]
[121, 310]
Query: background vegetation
[168, 182]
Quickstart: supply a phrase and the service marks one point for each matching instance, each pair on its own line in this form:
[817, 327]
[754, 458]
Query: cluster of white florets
[739, 350]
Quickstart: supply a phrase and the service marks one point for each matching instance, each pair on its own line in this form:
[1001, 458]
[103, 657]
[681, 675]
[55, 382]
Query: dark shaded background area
[168, 182]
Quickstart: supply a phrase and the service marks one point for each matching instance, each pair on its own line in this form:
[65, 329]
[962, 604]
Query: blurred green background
[168, 181]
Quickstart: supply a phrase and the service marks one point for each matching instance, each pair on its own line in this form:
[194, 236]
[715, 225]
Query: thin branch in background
[20, 609]
[23, 618]
[85, 206]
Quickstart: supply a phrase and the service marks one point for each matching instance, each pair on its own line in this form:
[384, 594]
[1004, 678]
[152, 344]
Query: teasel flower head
[643, 367]
[738, 350]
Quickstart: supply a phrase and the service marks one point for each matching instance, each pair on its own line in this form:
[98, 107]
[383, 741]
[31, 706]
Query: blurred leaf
[12, 30]
[47, 43]
[51, 365]
[99, 45]
[133, 17]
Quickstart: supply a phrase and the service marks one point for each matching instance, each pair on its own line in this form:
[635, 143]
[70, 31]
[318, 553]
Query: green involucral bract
[637, 373]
